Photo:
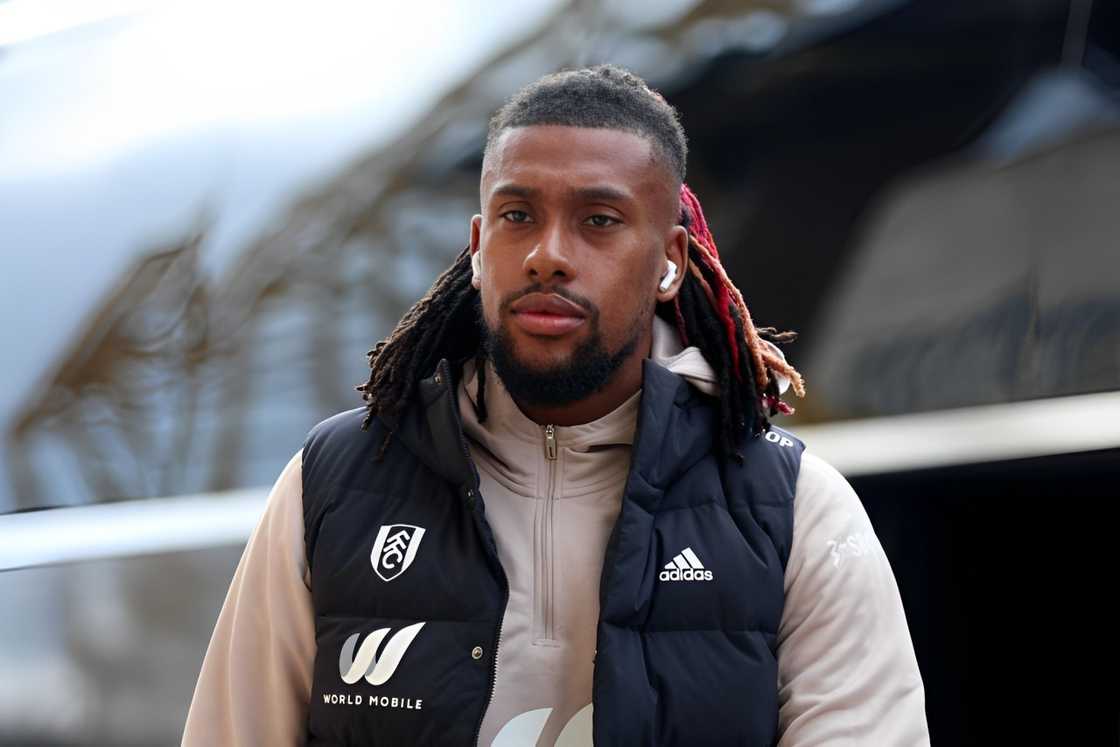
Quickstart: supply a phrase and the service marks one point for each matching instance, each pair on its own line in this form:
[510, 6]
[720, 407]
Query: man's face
[575, 231]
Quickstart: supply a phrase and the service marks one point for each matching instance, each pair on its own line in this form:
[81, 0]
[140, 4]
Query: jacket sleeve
[255, 683]
[847, 674]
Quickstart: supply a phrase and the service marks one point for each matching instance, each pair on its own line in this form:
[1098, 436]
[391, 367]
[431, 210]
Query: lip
[547, 314]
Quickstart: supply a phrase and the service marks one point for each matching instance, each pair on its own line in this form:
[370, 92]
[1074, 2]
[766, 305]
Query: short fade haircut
[604, 96]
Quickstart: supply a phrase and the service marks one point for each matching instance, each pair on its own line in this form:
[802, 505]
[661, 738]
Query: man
[562, 513]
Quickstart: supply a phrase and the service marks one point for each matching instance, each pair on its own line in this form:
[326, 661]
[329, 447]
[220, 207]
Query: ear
[676, 250]
[476, 255]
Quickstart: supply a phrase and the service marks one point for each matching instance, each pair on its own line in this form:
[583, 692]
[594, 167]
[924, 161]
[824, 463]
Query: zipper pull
[550, 441]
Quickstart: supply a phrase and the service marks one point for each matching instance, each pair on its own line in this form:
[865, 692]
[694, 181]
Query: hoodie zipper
[545, 542]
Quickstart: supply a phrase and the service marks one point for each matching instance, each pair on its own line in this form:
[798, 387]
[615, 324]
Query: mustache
[558, 290]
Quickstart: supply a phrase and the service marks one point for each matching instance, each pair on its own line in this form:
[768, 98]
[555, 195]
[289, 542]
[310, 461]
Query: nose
[551, 258]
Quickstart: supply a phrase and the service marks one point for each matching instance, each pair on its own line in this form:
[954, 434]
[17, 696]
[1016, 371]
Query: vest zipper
[497, 646]
[445, 374]
[545, 542]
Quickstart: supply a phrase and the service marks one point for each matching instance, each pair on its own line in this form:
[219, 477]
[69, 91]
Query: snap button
[439, 378]
[476, 653]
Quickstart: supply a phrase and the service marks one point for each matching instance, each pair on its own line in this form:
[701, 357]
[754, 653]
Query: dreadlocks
[708, 312]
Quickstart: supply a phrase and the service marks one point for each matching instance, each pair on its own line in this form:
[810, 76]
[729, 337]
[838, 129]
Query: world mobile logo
[365, 663]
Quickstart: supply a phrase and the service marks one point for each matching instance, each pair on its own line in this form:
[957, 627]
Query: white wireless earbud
[669, 276]
[476, 269]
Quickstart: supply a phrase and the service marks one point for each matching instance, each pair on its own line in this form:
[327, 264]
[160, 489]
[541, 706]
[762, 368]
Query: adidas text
[686, 566]
[686, 575]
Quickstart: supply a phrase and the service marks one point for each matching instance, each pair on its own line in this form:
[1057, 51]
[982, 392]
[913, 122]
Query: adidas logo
[685, 567]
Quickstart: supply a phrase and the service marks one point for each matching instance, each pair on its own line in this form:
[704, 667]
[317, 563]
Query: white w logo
[377, 671]
[528, 727]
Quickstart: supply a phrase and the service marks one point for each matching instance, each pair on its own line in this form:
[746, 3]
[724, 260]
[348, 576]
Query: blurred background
[210, 211]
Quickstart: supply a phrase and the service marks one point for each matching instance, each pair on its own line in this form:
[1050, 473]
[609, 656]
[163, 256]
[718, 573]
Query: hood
[690, 363]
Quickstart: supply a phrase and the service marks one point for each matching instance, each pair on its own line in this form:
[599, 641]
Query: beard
[587, 371]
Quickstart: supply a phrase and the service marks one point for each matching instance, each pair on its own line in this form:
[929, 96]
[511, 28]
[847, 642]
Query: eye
[516, 216]
[602, 221]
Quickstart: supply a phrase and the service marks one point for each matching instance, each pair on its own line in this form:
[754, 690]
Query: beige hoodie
[846, 668]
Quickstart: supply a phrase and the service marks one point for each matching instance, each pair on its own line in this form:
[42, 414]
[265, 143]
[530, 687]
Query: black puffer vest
[409, 593]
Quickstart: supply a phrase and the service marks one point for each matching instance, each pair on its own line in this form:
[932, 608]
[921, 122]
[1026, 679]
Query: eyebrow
[515, 190]
[598, 193]
[603, 194]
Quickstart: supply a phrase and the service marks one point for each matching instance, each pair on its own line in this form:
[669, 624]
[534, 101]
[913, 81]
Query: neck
[626, 380]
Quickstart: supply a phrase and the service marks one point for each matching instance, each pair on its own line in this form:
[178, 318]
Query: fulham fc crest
[394, 549]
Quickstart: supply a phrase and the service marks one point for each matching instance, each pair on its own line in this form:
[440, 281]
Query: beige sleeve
[847, 674]
[255, 684]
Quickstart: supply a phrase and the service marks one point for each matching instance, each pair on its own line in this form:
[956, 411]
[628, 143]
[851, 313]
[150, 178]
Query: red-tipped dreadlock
[727, 302]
